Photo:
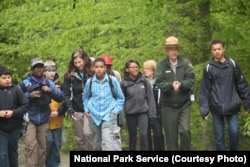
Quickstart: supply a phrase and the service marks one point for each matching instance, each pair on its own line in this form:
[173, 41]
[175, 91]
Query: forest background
[126, 29]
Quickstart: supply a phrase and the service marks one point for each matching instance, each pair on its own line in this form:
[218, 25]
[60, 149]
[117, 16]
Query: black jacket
[13, 98]
[73, 91]
[165, 77]
[222, 88]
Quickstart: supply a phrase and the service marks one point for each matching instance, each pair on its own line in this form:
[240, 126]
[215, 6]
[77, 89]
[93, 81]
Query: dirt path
[21, 158]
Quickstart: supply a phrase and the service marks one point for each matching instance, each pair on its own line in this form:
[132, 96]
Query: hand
[53, 114]
[2, 113]
[205, 117]
[176, 85]
[35, 94]
[88, 115]
[8, 113]
[46, 89]
[73, 117]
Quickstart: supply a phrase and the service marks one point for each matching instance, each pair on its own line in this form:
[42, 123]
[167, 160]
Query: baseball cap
[36, 61]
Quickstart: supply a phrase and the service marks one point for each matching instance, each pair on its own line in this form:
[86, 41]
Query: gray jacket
[139, 97]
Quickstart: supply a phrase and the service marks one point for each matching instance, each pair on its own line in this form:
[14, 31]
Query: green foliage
[70, 141]
[246, 129]
[132, 29]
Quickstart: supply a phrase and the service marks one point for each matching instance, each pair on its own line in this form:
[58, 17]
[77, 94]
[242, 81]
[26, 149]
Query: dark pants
[8, 148]
[176, 124]
[140, 120]
[54, 143]
[158, 138]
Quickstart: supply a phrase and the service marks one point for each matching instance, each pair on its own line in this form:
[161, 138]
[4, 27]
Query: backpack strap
[110, 85]
[90, 87]
[233, 62]
[207, 67]
[123, 89]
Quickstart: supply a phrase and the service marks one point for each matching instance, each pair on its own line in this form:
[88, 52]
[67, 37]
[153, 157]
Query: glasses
[134, 67]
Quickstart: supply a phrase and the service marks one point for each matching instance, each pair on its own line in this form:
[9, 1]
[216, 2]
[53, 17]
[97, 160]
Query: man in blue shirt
[102, 106]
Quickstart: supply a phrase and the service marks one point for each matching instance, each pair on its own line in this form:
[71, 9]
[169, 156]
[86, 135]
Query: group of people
[156, 103]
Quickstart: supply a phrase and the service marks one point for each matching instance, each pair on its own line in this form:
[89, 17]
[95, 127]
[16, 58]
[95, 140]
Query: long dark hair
[84, 56]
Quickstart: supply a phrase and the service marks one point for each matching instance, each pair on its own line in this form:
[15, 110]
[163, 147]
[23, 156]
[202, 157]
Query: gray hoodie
[139, 97]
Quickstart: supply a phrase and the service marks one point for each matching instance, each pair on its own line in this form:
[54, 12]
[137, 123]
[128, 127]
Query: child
[139, 108]
[103, 100]
[13, 105]
[54, 135]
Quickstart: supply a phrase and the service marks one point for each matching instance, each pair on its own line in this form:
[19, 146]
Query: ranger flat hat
[172, 41]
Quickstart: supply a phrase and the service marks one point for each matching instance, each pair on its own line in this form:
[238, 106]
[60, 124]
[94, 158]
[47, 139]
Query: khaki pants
[82, 132]
[35, 145]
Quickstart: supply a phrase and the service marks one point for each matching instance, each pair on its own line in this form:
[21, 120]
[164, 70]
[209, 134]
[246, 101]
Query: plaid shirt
[102, 102]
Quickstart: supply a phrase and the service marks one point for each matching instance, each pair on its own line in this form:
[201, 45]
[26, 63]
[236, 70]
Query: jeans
[218, 124]
[117, 142]
[54, 143]
[103, 134]
[8, 148]
[140, 120]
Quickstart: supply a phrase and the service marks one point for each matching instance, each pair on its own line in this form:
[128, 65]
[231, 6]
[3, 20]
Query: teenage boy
[54, 135]
[223, 89]
[103, 101]
[13, 105]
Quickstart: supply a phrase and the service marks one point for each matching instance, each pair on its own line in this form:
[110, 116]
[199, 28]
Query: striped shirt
[102, 102]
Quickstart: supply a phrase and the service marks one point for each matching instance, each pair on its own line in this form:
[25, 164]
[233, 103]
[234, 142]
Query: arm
[120, 97]
[56, 93]
[67, 92]
[242, 87]
[150, 100]
[24, 86]
[161, 79]
[189, 78]
[86, 95]
[23, 103]
[62, 109]
[205, 87]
